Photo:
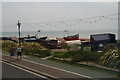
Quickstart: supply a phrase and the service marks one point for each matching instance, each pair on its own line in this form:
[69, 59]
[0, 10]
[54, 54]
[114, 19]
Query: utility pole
[19, 30]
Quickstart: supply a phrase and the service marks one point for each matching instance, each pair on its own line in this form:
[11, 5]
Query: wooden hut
[99, 40]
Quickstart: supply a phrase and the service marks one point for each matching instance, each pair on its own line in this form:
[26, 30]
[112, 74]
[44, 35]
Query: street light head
[39, 30]
[18, 23]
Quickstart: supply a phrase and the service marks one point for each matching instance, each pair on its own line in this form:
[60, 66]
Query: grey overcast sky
[44, 12]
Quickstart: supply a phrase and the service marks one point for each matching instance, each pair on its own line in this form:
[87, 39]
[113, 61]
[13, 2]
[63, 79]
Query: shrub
[77, 58]
[110, 59]
[45, 53]
[6, 45]
[58, 54]
[66, 47]
[40, 53]
[79, 55]
[111, 46]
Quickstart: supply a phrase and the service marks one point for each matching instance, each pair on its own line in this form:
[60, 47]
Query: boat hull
[73, 37]
[43, 37]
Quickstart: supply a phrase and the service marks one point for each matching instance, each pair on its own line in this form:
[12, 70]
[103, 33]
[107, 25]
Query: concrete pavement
[49, 71]
[60, 70]
[9, 71]
[80, 70]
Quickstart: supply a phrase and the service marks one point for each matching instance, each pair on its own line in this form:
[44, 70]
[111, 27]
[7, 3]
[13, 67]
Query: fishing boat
[72, 37]
[30, 38]
[43, 38]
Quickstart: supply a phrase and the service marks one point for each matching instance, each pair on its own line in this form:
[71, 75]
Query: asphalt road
[11, 71]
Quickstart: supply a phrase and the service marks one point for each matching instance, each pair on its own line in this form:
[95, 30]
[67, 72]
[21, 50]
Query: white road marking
[33, 69]
[25, 70]
[59, 69]
[56, 68]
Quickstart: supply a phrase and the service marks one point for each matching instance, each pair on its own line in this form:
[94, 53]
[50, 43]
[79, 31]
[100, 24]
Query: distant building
[98, 41]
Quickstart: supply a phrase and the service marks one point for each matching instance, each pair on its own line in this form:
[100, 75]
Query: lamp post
[19, 30]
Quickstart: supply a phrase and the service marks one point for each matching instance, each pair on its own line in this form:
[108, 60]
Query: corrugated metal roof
[101, 37]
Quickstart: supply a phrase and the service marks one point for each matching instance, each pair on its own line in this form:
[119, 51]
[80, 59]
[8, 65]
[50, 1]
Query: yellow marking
[32, 69]
[61, 69]
[55, 68]
[26, 70]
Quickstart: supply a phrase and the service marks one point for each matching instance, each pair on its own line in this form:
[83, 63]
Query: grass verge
[87, 66]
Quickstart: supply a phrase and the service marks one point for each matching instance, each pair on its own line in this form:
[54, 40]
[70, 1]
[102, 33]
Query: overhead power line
[73, 22]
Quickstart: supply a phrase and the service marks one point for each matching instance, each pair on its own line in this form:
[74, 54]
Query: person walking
[12, 51]
[19, 52]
